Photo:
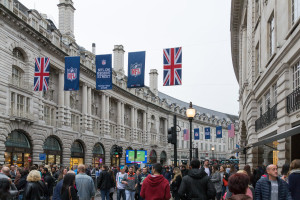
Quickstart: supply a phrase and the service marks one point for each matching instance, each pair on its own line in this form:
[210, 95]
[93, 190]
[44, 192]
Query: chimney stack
[94, 48]
[66, 17]
[153, 81]
[119, 59]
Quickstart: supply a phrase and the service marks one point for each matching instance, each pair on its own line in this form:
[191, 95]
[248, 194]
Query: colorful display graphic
[141, 156]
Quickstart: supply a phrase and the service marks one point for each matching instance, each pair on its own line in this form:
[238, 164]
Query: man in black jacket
[105, 183]
[48, 180]
[197, 185]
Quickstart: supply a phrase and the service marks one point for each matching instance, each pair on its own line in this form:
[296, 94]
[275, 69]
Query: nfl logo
[71, 74]
[219, 132]
[196, 134]
[135, 69]
[103, 62]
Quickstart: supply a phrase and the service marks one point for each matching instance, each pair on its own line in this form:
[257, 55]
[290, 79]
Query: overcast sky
[200, 27]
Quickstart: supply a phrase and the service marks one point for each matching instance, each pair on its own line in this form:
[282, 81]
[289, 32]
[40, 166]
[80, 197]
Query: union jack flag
[173, 66]
[41, 74]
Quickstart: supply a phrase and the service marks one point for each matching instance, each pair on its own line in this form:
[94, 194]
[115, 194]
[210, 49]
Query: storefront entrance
[18, 149]
[295, 141]
[77, 154]
[153, 157]
[163, 158]
[98, 155]
[53, 152]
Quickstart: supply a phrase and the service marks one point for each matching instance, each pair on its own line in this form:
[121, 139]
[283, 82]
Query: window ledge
[292, 29]
[270, 60]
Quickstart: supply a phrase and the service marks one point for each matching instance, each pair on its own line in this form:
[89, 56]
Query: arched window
[17, 139]
[77, 147]
[18, 54]
[163, 157]
[153, 157]
[52, 144]
[98, 149]
[53, 152]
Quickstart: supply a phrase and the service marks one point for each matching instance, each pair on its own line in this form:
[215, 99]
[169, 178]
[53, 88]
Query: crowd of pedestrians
[207, 181]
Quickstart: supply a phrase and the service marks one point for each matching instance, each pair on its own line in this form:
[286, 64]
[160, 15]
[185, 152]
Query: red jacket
[155, 188]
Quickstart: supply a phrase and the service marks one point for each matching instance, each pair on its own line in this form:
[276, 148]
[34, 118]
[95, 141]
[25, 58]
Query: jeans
[121, 193]
[105, 193]
[129, 194]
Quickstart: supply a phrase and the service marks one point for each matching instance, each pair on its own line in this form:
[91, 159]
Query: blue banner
[207, 133]
[72, 70]
[219, 132]
[136, 69]
[103, 72]
[196, 134]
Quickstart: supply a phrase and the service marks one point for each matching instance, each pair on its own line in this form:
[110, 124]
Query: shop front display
[18, 149]
[52, 149]
[98, 155]
[77, 154]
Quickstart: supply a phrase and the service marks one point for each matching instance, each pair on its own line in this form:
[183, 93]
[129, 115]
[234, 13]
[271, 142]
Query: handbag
[70, 196]
[225, 183]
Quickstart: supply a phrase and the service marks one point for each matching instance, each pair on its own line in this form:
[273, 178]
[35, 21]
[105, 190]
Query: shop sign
[42, 156]
[29, 159]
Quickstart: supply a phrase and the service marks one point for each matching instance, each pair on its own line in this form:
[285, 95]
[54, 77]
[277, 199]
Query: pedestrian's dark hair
[105, 167]
[195, 164]
[67, 182]
[4, 188]
[157, 167]
[247, 168]
[238, 183]
[46, 169]
[285, 169]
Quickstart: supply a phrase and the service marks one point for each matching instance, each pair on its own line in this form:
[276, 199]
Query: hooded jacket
[294, 183]
[197, 185]
[155, 188]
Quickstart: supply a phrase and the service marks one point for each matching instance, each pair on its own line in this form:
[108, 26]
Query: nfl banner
[231, 130]
[207, 133]
[196, 134]
[186, 135]
[72, 69]
[172, 66]
[219, 132]
[136, 69]
[41, 74]
[103, 72]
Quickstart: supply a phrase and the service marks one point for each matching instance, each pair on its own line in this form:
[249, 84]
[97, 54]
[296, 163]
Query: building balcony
[267, 118]
[293, 101]
[21, 115]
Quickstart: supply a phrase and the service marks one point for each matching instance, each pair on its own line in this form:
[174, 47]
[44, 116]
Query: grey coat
[217, 181]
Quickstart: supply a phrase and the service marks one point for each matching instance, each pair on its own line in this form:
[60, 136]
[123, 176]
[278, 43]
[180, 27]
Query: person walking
[84, 184]
[206, 168]
[120, 186]
[4, 188]
[284, 172]
[197, 184]
[167, 174]
[48, 180]
[272, 187]
[68, 190]
[184, 171]
[175, 183]
[155, 186]
[294, 179]
[104, 183]
[35, 189]
[130, 181]
[141, 179]
[224, 177]
[217, 181]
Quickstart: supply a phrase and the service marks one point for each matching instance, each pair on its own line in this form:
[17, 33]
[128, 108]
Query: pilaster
[61, 99]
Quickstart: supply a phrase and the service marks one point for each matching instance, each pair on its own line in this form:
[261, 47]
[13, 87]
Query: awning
[285, 134]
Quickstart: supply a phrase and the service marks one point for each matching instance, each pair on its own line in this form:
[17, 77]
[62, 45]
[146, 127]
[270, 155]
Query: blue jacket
[57, 189]
[294, 184]
[263, 189]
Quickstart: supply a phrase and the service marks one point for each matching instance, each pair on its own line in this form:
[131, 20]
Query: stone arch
[56, 138]
[152, 156]
[20, 46]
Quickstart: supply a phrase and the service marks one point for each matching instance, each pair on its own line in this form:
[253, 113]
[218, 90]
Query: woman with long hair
[175, 183]
[217, 181]
[68, 190]
[224, 176]
[294, 179]
[247, 168]
[284, 171]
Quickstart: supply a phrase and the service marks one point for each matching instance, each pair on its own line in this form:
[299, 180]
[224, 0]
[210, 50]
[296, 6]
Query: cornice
[9, 16]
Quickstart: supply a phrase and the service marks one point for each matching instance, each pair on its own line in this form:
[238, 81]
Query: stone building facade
[265, 53]
[83, 126]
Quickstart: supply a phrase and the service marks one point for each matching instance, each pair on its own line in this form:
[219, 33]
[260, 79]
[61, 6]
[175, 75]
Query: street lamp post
[213, 149]
[190, 113]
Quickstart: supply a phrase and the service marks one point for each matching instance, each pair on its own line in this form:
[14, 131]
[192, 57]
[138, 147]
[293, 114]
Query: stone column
[144, 140]
[88, 157]
[166, 132]
[3, 136]
[61, 99]
[119, 113]
[244, 54]
[37, 148]
[84, 107]
[132, 124]
[89, 108]
[66, 154]
[103, 106]
[148, 128]
[107, 107]
[283, 119]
